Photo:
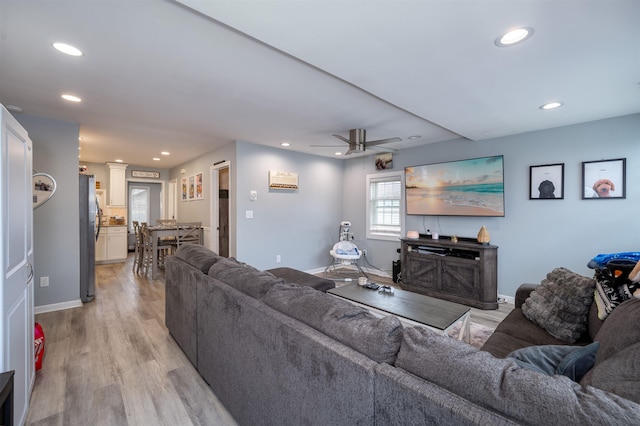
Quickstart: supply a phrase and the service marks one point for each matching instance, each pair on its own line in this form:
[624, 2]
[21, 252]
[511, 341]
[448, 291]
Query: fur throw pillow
[561, 304]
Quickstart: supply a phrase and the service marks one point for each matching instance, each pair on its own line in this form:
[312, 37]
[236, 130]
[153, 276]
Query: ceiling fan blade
[342, 138]
[382, 149]
[383, 141]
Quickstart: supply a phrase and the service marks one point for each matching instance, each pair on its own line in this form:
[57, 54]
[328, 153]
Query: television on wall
[472, 187]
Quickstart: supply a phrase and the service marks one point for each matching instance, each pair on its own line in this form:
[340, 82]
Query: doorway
[144, 204]
[220, 202]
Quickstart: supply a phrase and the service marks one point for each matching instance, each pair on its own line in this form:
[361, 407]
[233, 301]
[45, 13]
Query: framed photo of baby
[604, 179]
[546, 182]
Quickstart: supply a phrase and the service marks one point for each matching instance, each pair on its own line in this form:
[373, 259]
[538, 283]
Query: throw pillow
[561, 304]
[570, 361]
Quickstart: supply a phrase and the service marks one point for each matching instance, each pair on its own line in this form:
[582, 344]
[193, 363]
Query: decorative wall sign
[603, 179]
[144, 174]
[44, 186]
[283, 180]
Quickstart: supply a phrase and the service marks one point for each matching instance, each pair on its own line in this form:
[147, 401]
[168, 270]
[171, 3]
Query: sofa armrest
[523, 292]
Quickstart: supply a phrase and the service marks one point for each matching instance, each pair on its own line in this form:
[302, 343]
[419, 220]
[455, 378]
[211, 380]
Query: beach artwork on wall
[472, 187]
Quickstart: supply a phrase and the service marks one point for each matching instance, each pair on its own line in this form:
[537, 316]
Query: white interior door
[17, 261]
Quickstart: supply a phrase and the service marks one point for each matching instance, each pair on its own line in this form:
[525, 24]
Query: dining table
[164, 231]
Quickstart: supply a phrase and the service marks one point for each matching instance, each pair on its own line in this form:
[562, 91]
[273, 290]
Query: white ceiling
[189, 76]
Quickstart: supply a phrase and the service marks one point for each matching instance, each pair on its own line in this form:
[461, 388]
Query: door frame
[214, 216]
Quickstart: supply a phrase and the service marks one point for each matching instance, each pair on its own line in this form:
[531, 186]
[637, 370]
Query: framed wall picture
[199, 194]
[184, 187]
[384, 161]
[192, 187]
[604, 179]
[546, 182]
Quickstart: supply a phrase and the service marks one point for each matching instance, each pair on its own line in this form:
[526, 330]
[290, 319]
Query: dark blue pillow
[570, 361]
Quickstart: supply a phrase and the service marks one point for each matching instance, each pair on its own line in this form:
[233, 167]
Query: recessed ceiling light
[156, 159]
[414, 137]
[164, 153]
[285, 144]
[119, 161]
[551, 105]
[67, 48]
[337, 153]
[514, 36]
[71, 98]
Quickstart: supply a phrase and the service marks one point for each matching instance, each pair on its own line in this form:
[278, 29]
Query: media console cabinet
[464, 272]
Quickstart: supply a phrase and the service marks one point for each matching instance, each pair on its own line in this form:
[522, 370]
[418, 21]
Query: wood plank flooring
[113, 362]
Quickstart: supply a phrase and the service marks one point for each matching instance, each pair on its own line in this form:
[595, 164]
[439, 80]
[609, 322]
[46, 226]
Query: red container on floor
[39, 346]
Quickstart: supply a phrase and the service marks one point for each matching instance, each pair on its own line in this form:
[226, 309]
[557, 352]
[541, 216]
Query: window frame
[130, 204]
[384, 177]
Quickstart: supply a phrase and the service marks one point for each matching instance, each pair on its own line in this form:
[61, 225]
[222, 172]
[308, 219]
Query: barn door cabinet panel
[462, 272]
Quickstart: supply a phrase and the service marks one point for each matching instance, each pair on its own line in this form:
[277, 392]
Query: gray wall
[299, 225]
[535, 236]
[56, 224]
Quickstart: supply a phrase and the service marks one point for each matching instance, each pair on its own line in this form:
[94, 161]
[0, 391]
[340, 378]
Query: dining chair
[188, 233]
[137, 260]
[166, 222]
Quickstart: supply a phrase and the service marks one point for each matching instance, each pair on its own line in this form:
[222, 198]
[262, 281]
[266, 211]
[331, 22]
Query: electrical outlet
[44, 281]
[278, 258]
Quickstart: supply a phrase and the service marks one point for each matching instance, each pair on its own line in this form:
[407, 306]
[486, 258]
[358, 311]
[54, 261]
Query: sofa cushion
[302, 278]
[618, 374]
[243, 277]
[620, 330]
[616, 367]
[197, 256]
[501, 385]
[570, 361]
[378, 338]
[561, 304]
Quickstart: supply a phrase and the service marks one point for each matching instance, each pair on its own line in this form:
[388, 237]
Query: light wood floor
[113, 362]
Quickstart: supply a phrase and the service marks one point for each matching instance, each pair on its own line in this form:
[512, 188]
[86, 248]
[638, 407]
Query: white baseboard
[58, 306]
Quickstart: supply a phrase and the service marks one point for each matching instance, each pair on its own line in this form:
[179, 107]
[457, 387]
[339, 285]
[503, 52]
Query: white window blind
[384, 200]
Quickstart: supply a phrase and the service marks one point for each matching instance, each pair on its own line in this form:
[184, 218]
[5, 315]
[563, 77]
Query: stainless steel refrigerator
[89, 230]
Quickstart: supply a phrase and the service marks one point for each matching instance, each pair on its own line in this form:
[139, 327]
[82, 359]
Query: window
[138, 205]
[384, 211]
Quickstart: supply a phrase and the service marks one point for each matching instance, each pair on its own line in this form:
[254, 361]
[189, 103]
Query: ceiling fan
[358, 142]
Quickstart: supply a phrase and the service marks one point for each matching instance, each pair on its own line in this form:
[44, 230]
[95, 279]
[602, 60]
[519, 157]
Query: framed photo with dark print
[604, 179]
[546, 182]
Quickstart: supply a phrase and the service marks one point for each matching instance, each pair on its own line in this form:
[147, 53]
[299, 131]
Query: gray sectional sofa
[279, 353]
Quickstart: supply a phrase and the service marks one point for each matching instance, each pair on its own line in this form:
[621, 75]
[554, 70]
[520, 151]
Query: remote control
[371, 286]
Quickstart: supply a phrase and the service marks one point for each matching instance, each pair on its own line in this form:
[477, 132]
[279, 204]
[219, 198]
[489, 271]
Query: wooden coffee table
[411, 308]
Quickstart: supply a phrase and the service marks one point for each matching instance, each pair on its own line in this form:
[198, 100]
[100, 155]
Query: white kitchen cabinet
[16, 261]
[111, 246]
[101, 245]
[117, 184]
